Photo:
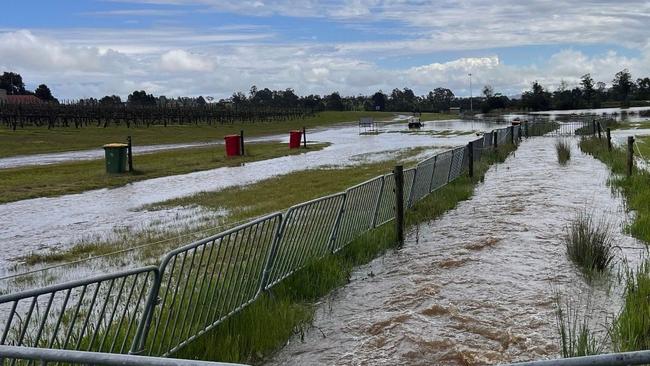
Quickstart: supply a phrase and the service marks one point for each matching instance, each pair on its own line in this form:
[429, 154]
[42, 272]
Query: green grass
[589, 243]
[563, 149]
[288, 308]
[75, 177]
[33, 140]
[631, 328]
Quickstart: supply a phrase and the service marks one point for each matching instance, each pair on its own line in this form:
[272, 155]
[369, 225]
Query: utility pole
[471, 107]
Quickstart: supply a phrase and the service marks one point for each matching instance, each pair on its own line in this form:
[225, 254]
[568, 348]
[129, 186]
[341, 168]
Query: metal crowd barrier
[610, 359]
[30, 355]
[159, 310]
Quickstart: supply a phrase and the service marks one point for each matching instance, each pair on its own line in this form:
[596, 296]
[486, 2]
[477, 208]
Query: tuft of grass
[563, 149]
[589, 243]
[576, 338]
[631, 329]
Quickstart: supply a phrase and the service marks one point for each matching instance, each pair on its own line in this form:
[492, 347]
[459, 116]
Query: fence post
[241, 143]
[512, 135]
[304, 137]
[598, 127]
[609, 139]
[593, 126]
[470, 152]
[130, 153]
[630, 155]
[399, 202]
[495, 136]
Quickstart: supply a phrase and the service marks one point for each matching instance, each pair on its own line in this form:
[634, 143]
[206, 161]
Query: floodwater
[477, 285]
[42, 224]
[632, 114]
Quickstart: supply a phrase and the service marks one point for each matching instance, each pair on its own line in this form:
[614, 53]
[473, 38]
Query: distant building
[22, 99]
[454, 110]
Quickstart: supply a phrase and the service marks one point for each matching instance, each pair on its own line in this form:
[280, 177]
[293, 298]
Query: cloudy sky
[83, 48]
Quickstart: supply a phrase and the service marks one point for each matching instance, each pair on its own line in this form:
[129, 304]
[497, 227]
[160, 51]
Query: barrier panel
[307, 233]
[359, 211]
[205, 282]
[103, 314]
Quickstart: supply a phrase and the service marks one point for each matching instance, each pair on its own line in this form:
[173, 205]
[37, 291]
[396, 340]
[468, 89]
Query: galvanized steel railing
[44, 356]
[157, 311]
[610, 359]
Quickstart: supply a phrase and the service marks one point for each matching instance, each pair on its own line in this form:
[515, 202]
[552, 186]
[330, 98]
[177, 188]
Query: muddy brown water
[477, 285]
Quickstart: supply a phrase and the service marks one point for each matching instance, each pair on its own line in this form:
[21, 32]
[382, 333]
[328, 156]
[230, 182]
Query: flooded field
[98, 213]
[477, 286]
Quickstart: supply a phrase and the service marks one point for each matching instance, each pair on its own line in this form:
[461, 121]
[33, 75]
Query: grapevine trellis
[80, 115]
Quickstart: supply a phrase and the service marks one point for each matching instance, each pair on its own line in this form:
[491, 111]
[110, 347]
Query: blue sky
[214, 47]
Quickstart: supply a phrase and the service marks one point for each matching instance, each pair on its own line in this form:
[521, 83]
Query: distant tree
[379, 100]
[141, 98]
[538, 99]
[333, 102]
[111, 100]
[12, 83]
[488, 91]
[643, 88]
[200, 101]
[587, 84]
[622, 85]
[441, 99]
[44, 93]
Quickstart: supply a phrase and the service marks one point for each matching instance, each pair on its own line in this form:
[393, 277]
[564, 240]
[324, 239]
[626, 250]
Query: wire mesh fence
[157, 311]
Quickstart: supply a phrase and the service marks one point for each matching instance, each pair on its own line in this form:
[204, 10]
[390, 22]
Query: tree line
[624, 91]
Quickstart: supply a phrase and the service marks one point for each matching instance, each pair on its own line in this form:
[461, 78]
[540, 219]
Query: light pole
[471, 107]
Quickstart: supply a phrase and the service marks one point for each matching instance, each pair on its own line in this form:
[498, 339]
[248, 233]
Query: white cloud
[180, 60]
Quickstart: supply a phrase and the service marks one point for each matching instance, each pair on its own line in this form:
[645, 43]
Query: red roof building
[22, 99]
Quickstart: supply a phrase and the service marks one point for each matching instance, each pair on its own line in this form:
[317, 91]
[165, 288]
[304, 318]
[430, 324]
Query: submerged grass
[263, 327]
[576, 337]
[237, 204]
[563, 149]
[589, 243]
[74, 177]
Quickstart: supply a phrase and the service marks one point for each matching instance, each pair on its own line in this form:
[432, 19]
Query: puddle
[477, 285]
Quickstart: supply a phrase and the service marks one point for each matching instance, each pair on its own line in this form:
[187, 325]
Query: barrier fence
[156, 311]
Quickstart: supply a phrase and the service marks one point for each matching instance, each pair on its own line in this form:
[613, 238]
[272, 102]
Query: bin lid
[115, 144]
[231, 136]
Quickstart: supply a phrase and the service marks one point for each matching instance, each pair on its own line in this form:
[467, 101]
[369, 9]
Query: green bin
[116, 155]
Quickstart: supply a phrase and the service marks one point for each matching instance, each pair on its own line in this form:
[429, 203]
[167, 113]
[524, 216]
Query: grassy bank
[631, 329]
[263, 327]
[75, 177]
[33, 140]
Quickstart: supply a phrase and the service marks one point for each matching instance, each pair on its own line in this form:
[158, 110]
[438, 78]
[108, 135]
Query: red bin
[294, 139]
[232, 145]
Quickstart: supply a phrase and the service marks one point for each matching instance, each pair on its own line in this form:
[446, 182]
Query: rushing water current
[477, 285]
